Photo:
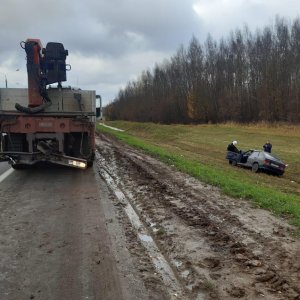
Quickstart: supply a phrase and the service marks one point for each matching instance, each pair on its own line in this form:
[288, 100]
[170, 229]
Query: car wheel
[230, 162]
[234, 163]
[255, 167]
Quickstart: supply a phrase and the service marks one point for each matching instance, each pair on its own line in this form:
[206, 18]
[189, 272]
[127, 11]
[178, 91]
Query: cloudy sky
[110, 42]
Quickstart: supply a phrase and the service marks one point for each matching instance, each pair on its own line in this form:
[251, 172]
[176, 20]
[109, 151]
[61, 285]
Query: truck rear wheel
[19, 166]
[90, 161]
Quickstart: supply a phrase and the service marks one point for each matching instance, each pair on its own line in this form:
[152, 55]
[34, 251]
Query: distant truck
[44, 124]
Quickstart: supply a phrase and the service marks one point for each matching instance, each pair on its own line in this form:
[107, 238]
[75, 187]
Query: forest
[246, 77]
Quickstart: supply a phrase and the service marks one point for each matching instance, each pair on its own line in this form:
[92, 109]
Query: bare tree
[246, 78]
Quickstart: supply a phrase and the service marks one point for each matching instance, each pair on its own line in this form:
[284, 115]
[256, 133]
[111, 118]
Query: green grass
[200, 152]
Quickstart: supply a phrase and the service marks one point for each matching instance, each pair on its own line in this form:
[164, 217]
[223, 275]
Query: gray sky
[111, 42]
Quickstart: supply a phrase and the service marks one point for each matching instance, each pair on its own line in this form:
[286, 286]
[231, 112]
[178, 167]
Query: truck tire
[19, 166]
[90, 163]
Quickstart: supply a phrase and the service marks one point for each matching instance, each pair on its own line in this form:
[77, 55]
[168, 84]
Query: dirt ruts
[219, 247]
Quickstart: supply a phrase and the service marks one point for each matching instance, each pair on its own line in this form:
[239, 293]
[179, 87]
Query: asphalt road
[3, 167]
[59, 238]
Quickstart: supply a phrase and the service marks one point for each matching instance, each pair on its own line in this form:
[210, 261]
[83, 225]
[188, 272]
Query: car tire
[234, 163]
[255, 168]
[230, 162]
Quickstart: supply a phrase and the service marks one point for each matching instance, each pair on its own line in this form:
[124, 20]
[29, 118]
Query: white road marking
[6, 174]
[113, 128]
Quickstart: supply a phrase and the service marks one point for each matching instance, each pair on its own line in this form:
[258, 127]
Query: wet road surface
[59, 239]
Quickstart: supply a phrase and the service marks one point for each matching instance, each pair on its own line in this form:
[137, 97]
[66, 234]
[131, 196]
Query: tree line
[247, 77]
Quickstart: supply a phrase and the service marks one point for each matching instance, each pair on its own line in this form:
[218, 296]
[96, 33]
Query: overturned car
[257, 160]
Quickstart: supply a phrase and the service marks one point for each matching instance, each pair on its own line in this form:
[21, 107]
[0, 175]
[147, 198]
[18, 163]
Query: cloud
[112, 41]
[108, 74]
[219, 17]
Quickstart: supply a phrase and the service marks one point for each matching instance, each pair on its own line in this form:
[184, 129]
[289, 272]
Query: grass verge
[280, 203]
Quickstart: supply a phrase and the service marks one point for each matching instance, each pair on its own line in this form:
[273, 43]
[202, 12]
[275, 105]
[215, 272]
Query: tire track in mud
[145, 238]
[217, 245]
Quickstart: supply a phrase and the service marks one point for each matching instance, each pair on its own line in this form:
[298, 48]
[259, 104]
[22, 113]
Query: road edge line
[6, 174]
